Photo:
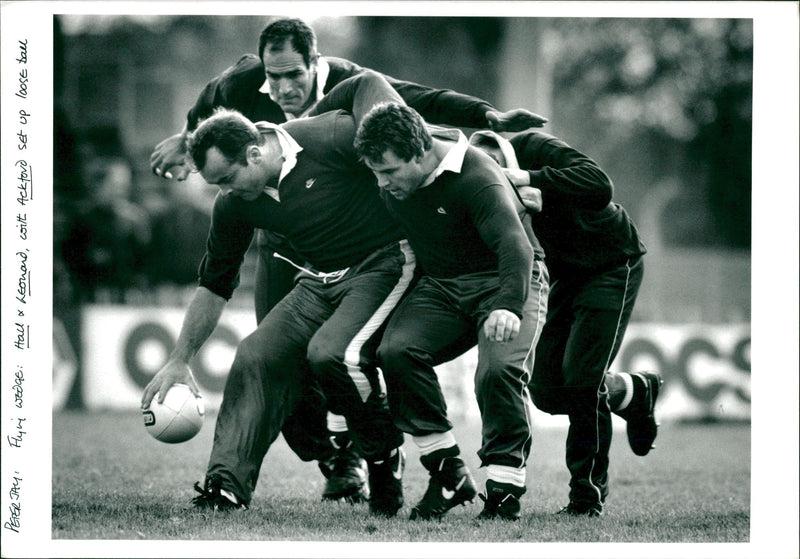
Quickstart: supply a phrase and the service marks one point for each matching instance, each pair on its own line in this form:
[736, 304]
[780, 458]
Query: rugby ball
[176, 420]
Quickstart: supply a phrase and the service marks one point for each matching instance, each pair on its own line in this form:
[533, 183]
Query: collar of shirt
[454, 157]
[289, 147]
[505, 146]
[323, 71]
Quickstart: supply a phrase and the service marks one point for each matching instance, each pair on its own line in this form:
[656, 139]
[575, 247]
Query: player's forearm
[500, 228]
[208, 99]
[437, 106]
[564, 174]
[515, 264]
[582, 185]
[201, 317]
[444, 106]
[358, 94]
[184, 136]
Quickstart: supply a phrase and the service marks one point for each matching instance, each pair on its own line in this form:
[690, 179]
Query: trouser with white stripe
[586, 321]
[321, 332]
[439, 320]
[306, 429]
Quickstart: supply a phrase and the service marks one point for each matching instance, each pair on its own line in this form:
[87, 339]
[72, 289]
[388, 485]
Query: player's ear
[254, 154]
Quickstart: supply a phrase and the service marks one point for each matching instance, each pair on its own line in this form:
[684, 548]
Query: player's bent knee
[394, 353]
[323, 356]
[252, 358]
[545, 401]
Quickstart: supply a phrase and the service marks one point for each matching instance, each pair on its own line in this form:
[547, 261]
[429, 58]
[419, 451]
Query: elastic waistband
[326, 277]
[398, 247]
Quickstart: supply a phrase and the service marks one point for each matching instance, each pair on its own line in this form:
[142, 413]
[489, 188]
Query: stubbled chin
[293, 108]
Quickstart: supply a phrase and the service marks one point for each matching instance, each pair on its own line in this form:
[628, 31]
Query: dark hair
[391, 126]
[296, 31]
[227, 130]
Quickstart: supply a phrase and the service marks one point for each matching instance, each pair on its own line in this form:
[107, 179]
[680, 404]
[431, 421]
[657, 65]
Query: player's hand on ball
[501, 326]
[178, 418]
[515, 120]
[168, 159]
[174, 372]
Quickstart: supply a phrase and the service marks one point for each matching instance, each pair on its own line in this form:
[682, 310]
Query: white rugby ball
[178, 419]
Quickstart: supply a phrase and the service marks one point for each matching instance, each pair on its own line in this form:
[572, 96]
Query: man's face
[245, 181]
[399, 178]
[291, 82]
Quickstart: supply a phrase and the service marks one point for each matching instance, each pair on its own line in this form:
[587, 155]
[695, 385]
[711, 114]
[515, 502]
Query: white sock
[628, 380]
[228, 495]
[433, 442]
[506, 474]
[336, 423]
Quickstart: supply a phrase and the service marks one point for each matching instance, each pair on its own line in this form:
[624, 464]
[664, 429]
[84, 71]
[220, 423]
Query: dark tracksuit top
[475, 256]
[455, 227]
[331, 214]
[594, 257]
[579, 227]
[238, 88]
[329, 208]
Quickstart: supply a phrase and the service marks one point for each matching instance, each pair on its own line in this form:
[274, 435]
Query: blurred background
[663, 105]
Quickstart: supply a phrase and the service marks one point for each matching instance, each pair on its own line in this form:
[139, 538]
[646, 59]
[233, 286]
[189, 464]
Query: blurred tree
[449, 52]
[683, 88]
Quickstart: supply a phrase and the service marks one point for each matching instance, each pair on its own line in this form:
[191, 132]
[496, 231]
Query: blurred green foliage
[685, 87]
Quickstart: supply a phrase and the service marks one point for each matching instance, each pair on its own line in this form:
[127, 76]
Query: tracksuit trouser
[319, 336]
[586, 321]
[439, 320]
[305, 429]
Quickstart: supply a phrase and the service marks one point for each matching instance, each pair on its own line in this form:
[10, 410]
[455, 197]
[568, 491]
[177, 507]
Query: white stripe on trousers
[527, 364]
[602, 378]
[352, 355]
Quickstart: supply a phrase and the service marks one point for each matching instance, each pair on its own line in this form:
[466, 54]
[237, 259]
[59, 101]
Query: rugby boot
[640, 414]
[346, 474]
[213, 496]
[581, 509]
[386, 483]
[501, 501]
[450, 485]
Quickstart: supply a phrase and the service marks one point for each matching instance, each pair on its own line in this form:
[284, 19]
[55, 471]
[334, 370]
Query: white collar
[454, 158]
[289, 146]
[505, 146]
[323, 71]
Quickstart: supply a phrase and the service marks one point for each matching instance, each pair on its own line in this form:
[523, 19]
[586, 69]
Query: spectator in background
[594, 256]
[67, 188]
[180, 225]
[285, 81]
[107, 243]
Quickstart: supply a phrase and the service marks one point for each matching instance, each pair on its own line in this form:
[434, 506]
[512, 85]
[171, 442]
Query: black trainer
[640, 414]
[450, 485]
[501, 501]
[213, 496]
[386, 484]
[346, 475]
[579, 509]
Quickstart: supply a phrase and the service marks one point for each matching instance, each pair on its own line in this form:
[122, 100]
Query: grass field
[112, 481]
